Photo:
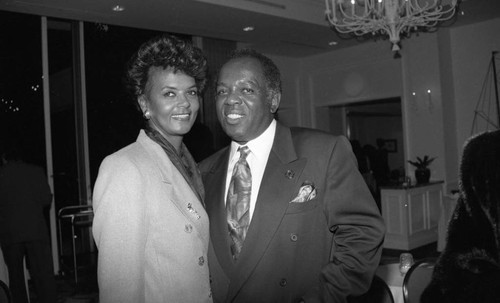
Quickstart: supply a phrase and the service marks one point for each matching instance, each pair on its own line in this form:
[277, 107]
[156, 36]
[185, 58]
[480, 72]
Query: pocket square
[306, 193]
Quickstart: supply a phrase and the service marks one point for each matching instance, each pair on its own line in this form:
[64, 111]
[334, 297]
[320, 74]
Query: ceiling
[294, 28]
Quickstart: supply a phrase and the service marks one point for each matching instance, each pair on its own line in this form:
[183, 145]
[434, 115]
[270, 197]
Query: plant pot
[422, 175]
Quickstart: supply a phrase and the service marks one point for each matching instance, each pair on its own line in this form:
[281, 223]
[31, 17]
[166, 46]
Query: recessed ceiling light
[332, 43]
[118, 8]
[248, 28]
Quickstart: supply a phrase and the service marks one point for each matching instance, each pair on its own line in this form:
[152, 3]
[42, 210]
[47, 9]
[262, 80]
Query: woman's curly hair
[166, 51]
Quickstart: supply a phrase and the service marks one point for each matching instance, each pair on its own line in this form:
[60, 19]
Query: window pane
[113, 120]
[21, 89]
[61, 79]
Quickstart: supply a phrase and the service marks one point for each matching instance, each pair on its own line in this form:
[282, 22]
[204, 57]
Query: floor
[85, 291]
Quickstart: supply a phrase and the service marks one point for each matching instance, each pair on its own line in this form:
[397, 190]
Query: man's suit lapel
[214, 189]
[277, 189]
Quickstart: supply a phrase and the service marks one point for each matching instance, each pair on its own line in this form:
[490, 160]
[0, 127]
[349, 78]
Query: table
[411, 214]
[392, 276]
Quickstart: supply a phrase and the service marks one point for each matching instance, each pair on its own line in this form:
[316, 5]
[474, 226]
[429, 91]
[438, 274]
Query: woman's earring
[147, 115]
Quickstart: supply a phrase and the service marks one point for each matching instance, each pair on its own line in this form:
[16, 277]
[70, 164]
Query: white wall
[288, 113]
[369, 72]
[452, 63]
[361, 73]
[471, 48]
[423, 123]
[448, 103]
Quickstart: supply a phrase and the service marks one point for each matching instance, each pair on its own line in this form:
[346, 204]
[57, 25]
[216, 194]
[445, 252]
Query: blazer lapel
[183, 197]
[215, 183]
[280, 178]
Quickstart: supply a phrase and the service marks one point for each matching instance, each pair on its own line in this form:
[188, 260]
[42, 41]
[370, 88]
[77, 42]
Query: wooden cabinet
[411, 215]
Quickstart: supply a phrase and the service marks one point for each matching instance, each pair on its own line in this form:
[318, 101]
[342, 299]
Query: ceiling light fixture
[387, 17]
[248, 28]
[118, 8]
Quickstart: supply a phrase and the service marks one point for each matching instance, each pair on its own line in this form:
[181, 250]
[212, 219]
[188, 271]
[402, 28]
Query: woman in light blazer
[150, 225]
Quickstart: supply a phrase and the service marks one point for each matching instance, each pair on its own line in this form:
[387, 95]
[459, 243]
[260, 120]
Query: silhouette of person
[364, 166]
[468, 270]
[371, 153]
[24, 194]
[380, 164]
[361, 157]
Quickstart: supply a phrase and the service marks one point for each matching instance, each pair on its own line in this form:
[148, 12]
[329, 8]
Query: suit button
[293, 237]
[201, 261]
[188, 228]
[283, 282]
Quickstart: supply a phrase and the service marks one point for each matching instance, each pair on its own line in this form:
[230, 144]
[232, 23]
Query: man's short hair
[271, 71]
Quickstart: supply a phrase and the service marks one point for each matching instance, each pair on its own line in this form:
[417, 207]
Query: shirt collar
[260, 147]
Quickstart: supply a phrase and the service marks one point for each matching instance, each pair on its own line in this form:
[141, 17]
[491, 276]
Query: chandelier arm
[426, 7]
[391, 17]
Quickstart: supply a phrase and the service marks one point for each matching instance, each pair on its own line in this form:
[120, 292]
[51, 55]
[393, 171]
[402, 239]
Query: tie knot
[244, 151]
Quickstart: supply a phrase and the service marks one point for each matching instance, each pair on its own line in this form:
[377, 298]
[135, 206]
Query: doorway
[375, 130]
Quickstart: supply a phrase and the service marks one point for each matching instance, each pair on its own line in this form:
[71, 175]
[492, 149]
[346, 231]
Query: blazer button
[293, 237]
[201, 261]
[290, 174]
[188, 228]
[283, 282]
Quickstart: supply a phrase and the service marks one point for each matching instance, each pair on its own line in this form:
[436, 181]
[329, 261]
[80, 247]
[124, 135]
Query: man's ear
[275, 101]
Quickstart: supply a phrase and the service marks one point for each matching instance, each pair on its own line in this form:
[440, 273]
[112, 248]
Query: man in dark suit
[24, 195]
[314, 232]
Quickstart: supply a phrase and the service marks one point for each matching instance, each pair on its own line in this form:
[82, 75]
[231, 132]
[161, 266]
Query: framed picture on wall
[391, 145]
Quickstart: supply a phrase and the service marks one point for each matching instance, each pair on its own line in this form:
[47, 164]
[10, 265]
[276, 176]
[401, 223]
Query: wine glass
[405, 262]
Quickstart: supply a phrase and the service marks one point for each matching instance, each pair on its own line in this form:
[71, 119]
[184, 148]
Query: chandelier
[387, 17]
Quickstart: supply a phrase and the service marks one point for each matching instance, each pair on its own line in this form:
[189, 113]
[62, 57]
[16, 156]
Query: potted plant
[422, 173]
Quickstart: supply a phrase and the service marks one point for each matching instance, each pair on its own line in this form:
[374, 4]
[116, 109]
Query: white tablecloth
[392, 276]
